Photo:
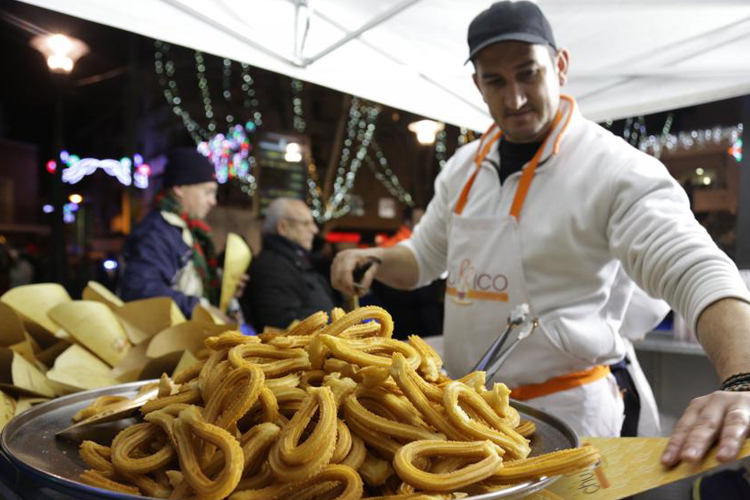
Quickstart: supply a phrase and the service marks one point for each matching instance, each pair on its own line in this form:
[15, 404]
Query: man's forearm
[724, 331]
[399, 268]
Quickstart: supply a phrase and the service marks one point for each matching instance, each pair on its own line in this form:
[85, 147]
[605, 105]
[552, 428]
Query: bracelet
[738, 382]
[742, 387]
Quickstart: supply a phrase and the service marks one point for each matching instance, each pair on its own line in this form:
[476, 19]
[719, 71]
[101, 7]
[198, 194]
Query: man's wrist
[739, 382]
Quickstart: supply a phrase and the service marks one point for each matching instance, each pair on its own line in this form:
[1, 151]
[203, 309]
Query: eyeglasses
[304, 222]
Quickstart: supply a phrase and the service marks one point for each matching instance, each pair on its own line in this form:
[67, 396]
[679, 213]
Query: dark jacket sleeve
[152, 259]
[274, 298]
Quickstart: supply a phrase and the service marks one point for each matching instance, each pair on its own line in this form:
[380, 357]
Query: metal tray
[30, 445]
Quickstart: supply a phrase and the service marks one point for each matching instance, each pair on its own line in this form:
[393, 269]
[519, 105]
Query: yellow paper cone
[95, 326]
[142, 319]
[186, 361]
[26, 402]
[7, 408]
[19, 376]
[130, 367]
[175, 315]
[202, 314]
[11, 326]
[237, 257]
[77, 369]
[161, 365]
[188, 336]
[32, 302]
[99, 293]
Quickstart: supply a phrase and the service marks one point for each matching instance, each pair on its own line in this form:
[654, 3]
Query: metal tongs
[520, 319]
[115, 411]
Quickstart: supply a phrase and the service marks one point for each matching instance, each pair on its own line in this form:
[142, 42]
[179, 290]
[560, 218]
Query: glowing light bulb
[426, 130]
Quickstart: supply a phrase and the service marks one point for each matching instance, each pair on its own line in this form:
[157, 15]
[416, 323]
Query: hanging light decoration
[76, 168]
[231, 155]
[426, 130]
[694, 140]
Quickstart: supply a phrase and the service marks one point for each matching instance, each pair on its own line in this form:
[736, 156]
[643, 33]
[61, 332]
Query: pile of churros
[323, 410]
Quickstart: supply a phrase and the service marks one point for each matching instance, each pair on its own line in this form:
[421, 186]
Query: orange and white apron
[485, 282]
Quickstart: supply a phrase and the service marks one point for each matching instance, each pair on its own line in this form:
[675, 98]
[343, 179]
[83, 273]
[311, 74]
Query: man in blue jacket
[170, 253]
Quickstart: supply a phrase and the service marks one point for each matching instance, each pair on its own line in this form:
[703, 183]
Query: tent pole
[742, 255]
[354, 34]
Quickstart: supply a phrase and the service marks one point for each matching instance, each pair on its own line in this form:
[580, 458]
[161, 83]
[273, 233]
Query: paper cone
[99, 293]
[142, 319]
[131, 366]
[94, 325]
[11, 326]
[21, 377]
[163, 364]
[26, 402]
[14, 336]
[186, 361]
[78, 370]
[237, 257]
[25, 349]
[32, 302]
[175, 315]
[47, 356]
[202, 314]
[7, 408]
[188, 336]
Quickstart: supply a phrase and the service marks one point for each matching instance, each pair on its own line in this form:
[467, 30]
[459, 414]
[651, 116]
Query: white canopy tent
[628, 57]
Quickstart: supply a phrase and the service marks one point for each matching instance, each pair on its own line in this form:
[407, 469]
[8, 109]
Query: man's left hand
[241, 284]
[722, 416]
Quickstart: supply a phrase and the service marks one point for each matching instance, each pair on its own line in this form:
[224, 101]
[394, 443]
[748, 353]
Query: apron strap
[481, 154]
[528, 172]
[561, 383]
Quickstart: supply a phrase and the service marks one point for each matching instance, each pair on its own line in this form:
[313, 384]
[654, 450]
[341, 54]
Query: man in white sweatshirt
[551, 210]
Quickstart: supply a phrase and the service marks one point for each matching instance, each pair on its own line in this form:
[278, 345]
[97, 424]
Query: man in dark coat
[283, 285]
[171, 253]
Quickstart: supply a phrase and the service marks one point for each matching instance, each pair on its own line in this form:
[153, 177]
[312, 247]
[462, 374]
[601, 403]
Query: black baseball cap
[505, 21]
[186, 166]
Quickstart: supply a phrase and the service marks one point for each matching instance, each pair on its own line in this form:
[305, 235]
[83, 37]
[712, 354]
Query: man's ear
[476, 81]
[562, 64]
[282, 227]
[178, 192]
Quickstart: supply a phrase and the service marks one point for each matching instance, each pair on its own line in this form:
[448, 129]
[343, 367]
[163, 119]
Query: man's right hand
[343, 267]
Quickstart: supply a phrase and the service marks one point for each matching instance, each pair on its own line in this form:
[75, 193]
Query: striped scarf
[204, 253]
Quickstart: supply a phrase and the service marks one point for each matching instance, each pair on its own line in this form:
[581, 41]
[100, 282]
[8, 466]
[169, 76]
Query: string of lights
[250, 101]
[694, 139]
[200, 68]
[299, 120]
[360, 129]
[165, 70]
[383, 173]
[313, 189]
[465, 136]
[226, 83]
[441, 150]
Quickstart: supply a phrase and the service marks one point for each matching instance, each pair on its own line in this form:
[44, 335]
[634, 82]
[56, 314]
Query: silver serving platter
[29, 443]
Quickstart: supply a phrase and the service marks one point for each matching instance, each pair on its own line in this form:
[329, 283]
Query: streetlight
[426, 130]
[61, 52]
